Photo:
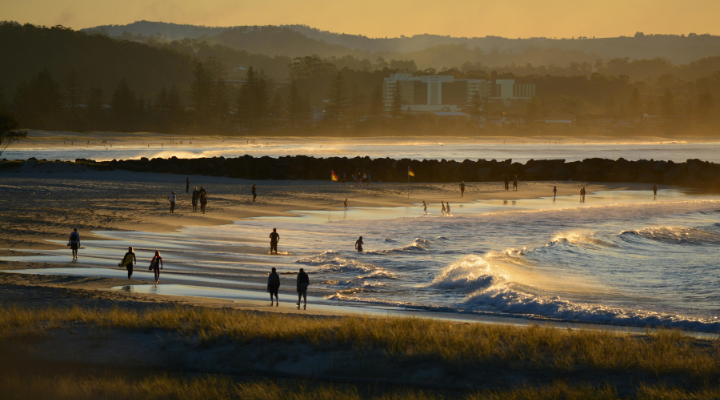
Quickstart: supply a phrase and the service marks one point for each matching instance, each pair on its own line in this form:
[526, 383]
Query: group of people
[507, 182]
[357, 178]
[129, 260]
[199, 196]
[273, 286]
[445, 208]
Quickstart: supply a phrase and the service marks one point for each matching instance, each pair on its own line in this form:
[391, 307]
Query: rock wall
[693, 173]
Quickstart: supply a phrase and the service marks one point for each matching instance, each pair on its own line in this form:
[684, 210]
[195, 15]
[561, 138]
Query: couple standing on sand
[199, 195]
[156, 264]
[303, 281]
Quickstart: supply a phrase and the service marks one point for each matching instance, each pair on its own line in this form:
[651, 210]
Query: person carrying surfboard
[128, 261]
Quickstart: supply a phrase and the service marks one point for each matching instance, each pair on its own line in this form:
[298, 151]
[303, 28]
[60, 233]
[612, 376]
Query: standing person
[274, 239]
[273, 287]
[654, 190]
[554, 192]
[171, 198]
[203, 199]
[303, 281]
[443, 207]
[507, 182]
[345, 204]
[156, 265]
[462, 188]
[424, 206]
[358, 245]
[128, 260]
[254, 192]
[195, 196]
[448, 209]
[369, 180]
[187, 184]
[515, 181]
[364, 178]
[74, 243]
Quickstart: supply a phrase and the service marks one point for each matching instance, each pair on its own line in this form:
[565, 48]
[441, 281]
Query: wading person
[128, 261]
[195, 196]
[443, 208]
[254, 192]
[303, 281]
[156, 265]
[358, 245]
[507, 182]
[187, 184]
[448, 209]
[462, 188]
[74, 243]
[274, 239]
[554, 192]
[424, 206]
[273, 287]
[654, 189]
[345, 204]
[171, 198]
[515, 181]
[203, 199]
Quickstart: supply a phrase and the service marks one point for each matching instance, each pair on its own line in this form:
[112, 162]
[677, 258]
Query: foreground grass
[163, 387]
[408, 339]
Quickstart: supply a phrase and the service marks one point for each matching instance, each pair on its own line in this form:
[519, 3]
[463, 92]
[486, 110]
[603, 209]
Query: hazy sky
[379, 18]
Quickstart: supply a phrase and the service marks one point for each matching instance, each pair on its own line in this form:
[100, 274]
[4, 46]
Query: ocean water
[457, 149]
[620, 258]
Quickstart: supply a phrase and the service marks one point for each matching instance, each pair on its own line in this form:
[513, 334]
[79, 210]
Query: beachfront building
[444, 93]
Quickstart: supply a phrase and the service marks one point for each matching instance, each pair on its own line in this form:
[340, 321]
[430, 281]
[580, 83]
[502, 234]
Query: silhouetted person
[554, 192]
[128, 261]
[462, 188]
[254, 192]
[358, 245]
[74, 243]
[303, 281]
[515, 182]
[424, 206]
[195, 197]
[654, 189]
[273, 287]
[448, 209]
[171, 198]
[443, 207]
[274, 239]
[156, 265]
[203, 199]
[507, 182]
[187, 184]
[345, 204]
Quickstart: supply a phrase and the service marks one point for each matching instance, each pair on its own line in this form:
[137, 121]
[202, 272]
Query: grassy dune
[666, 359]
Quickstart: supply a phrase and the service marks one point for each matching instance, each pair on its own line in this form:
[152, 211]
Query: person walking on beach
[195, 196]
[515, 182]
[424, 206]
[462, 188]
[254, 192]
[443, 208]
[187, 184]
[507, 182]
[74, 243]
[447, 213]
[345, 204]
[582, 193]
[156, 265]
[203, 199]
[273, 287]
[171, 198]
[303, 281]
[128, 261]
[274, 239]
[654, 190]
[554, 192]
[358, 245]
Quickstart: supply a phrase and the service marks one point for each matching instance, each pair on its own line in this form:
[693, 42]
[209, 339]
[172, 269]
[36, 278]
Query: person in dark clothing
[507, 182]
[274, 239]
[203, 199]
[273, 287]
[156, 265]
[187, 184]
[462, 188]
[74, 243]
[358, 245]
[128, 261]
[254, 192]
[515, 182]
[303, 281]
[654, 189]
[195, 198]
[554, 192]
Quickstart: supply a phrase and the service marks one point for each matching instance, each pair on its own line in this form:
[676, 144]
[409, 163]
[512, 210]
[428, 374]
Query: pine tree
[337, 99]
[357, 107]
[161, 103]
[397, 101]
[704, 107]
[668, 104]
[174, 103]
[635, 103]
[297, 106]
[95, 104]
[376, 108]
[124, 101]
[73, 90]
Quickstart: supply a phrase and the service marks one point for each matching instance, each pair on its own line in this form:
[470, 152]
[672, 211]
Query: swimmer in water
[424, 206]
[358, 245]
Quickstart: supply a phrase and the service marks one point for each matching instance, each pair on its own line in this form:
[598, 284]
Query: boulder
[658, 167]
[484, 174]
[674, 175]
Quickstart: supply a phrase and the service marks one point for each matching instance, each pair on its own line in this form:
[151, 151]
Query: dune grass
[455, 345]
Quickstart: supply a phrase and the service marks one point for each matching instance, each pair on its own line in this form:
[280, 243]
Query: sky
[392, 18]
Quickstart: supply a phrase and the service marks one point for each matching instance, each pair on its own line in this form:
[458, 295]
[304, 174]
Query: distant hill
[281, 40]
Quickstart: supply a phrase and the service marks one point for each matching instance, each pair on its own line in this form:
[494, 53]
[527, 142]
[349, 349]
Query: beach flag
[333, 177]
[410, 172]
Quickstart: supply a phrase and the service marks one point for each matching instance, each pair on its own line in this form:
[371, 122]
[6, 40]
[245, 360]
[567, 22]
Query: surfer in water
[358, 245]
[128, 261]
